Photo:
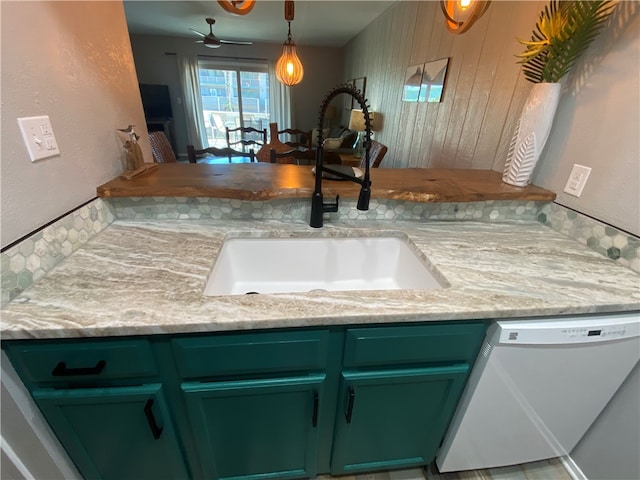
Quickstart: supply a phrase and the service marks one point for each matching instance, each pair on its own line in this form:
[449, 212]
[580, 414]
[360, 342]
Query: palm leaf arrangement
[564, 30]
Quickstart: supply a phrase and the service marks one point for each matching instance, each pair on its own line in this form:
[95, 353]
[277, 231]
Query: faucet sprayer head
[364, 197]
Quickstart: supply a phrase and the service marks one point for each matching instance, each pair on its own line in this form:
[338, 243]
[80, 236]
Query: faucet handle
[331, 207]
[318, 207]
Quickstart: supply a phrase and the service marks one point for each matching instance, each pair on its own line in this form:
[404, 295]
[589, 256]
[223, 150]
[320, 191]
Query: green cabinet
[258, 428]
[106, 402]
[115, 433]
[399, 387]
[254, 401]
[394, 418]
[289, 403]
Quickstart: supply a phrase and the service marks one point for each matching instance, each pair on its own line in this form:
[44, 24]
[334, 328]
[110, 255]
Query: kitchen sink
[306, 264]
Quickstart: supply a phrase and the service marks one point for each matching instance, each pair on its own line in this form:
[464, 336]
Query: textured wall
[597, 125]
[609, 449]
[73, 62]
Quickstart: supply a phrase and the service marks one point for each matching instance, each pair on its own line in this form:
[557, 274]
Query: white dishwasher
[537, 386]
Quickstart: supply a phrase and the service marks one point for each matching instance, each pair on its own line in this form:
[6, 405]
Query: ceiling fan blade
[211, 40]
[197, 32]
[231, 42]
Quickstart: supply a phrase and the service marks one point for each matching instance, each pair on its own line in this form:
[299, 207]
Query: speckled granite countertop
[147, 277]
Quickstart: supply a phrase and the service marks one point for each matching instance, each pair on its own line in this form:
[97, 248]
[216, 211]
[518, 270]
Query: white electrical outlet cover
[577, 180]
[38, 137]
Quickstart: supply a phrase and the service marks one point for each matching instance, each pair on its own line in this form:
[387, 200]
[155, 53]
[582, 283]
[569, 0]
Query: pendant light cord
[289, 39]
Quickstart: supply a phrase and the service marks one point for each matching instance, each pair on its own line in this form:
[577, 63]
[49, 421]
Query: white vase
[532, 131]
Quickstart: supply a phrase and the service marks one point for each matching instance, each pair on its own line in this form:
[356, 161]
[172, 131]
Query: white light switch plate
[577, 180]
[38, 136]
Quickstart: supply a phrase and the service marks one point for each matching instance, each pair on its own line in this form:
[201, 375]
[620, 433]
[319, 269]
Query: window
[233, 94]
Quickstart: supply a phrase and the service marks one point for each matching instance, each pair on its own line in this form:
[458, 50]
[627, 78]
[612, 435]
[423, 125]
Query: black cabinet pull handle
[61, 370]
[153, 425]
[352, 399]
[314, 418]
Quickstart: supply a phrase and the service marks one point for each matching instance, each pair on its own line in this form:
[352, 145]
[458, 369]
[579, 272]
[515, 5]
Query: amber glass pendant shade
[460, 15]
[289, 68]
[237, 7]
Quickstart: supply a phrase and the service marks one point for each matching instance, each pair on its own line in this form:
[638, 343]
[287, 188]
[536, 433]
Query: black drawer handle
[314, 417]
[352, 399]
[156, 431]
[61, 370]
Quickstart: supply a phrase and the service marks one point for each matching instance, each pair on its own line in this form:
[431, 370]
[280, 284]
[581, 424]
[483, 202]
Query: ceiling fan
[211, 40]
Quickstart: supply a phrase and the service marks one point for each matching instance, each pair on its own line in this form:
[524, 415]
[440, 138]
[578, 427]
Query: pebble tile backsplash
[163, 208]
[28, 261]
[616, 244]
[25, 263]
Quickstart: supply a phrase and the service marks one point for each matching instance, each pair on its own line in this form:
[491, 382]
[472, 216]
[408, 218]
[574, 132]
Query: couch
[337, 139]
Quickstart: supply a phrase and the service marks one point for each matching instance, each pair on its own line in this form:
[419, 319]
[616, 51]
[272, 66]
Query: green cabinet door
[393, 418]
[264, 428]
[115, 433]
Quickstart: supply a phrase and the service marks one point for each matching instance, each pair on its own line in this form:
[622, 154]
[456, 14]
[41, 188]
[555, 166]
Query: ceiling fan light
[289, 68]
[211, 42]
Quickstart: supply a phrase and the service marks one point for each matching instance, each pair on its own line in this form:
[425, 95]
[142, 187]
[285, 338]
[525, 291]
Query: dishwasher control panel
[599, 328]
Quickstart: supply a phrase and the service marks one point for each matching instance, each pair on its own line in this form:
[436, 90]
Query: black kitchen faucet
[318, 207]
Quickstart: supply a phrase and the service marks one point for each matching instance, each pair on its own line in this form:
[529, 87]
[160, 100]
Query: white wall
[71, 61]
[322, 70]
[609, 449]
[597, 125]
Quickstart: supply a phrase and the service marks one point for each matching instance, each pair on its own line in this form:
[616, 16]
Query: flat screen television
[156, 101]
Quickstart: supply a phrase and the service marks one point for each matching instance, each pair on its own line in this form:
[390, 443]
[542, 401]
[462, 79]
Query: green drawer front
[250, 353]
[82, 360]
[419, 344]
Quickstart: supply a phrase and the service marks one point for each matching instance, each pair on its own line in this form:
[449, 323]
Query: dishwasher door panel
[525, 403]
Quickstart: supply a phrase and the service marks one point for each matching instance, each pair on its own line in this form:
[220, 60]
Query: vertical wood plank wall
[483, 94]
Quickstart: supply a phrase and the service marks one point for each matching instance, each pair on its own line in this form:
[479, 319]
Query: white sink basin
[280, 265]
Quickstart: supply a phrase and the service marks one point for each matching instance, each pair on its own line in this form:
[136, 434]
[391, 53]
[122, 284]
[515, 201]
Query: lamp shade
[289, 68]
[356, 121]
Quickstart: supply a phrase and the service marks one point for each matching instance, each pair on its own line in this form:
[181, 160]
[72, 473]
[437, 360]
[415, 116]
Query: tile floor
[542, 470]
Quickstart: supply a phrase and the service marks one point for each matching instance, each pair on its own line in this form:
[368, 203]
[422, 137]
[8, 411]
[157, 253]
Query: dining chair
[229, 153]
[161, 148]
[248, 136]
[303, 157]
[376, 154]
[296, 138]
[290, 156]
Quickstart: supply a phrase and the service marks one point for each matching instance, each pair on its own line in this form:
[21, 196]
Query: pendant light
[289, 67]
[237, 7]
[460, 15]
